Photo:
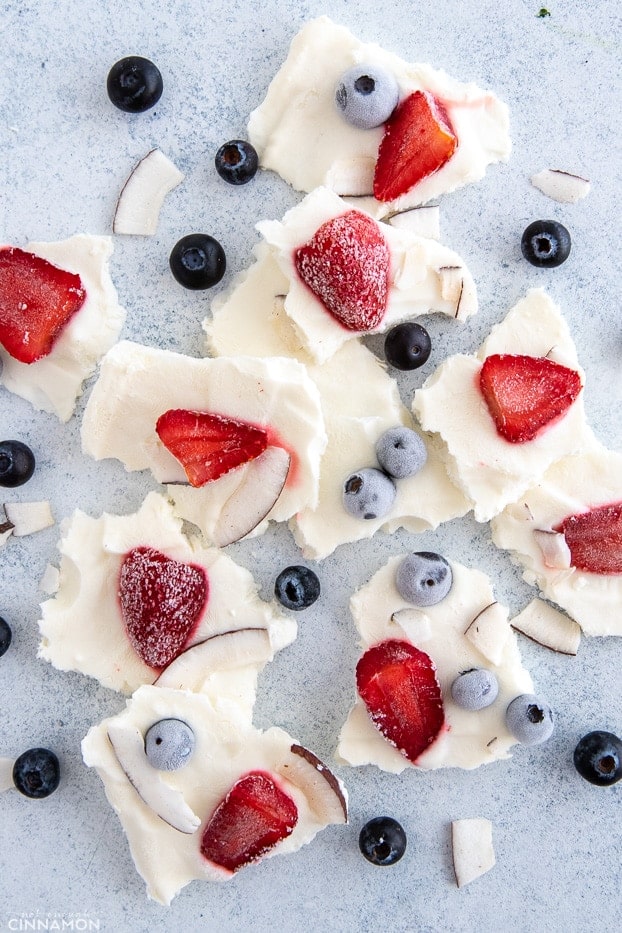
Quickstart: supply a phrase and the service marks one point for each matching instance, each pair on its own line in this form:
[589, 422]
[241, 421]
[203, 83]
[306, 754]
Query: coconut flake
[561, 186]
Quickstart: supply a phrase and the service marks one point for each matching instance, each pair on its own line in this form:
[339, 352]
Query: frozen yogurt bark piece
[466, 629]
[251, 315]
[300, 133]
[566, 532]
[271, 400]
[78, 314]
[350, 275]
[138, 602]
[491, 470]
[196, 821]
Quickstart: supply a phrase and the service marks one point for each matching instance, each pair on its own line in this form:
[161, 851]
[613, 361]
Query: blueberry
[407, 346]
[237, 162]
[401, 452]
[17, 463]
[382, 841]
[598, 758]
[423, 578]
[369, 493]
[134, 84]
[297, 587]
[5, 636]
[530, 719]
[36, 772]
[475, 689]
[545, 243]
[366, 96]
[198, 261]
[169, 744]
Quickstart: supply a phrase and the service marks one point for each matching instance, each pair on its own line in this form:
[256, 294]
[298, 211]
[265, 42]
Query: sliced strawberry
[253, 817]
[37, 300]
[595, 539]
[397, 682]
[418, 140]
[161, 603]
[346, 265]
[207, 445]
[525, 394]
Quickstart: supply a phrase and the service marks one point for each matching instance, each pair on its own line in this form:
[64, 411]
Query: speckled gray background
[64, 154]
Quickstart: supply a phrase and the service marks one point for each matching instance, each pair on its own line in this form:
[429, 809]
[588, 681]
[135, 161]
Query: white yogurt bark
[251, 316]
[227, 747]
[299, 132]
[137, 384]
[83, 629]
[54, 382]
[468, 739]
[424, 276]
[491, 471]
[572, 486]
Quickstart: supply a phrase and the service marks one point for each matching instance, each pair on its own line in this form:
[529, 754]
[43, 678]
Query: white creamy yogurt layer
[468, 739]
[54, 382]
[251, 316]
[227, 747]
[299, 132]
[424, 276]
[573, 485]
[491, 471]
[82, 627]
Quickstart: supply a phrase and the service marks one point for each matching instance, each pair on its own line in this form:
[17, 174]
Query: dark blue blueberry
[134, 84]
[598, 758]
[407, 346]
[297, 587]
[36, 772]
[198, 261]
[382, 841]
[545, 243]
[237, 162]
[17, 463]
[5, 636]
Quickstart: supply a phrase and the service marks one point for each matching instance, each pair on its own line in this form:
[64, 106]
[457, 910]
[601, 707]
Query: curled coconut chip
[561, 186]
[25, 518]
[472, 849]
[142, 196]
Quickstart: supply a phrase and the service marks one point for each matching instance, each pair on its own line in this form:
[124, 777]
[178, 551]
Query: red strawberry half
[595, 539]
[253, 817]
[37, 300]
[525, 394]
[418, 140]
[346, 265]
[208, 446]
[397, 682]
[161, 603]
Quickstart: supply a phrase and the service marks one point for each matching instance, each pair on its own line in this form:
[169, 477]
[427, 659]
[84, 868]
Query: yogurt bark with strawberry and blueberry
[509, 412]
[201, 793]
[566, 532]
[415, 648]
[59, 314]
[361, 121]
[350, 275]
[139, 602]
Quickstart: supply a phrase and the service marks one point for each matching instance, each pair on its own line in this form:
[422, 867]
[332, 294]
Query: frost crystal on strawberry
[418, 140]
[397, 682]
[526, 394]
[595, 539]
[208, 445]
[346, 265]
[37, 300]
[254, 816]
[161, 603]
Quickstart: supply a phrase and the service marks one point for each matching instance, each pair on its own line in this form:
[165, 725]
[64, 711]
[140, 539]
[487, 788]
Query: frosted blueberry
[475, 689]
[366, 96]
[423, 578]
[369, 493]
[401, 452]
[530, 719]
[169, 744]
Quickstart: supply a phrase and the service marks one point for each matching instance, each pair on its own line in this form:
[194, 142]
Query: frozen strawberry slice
[397, 682]
[595, 539]
[346, 265]
[418, 140]
[253, 817]
[525, 394]
[161, 602]
[207, 445]
[37, 300]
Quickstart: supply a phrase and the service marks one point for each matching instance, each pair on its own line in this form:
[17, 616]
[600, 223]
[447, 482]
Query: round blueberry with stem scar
[382, 841]
[545, 243]
[198, 261]
[17, 463]
[237, 162]
[598, 758]
[297, 587]
[134, 84]
[36, 773]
